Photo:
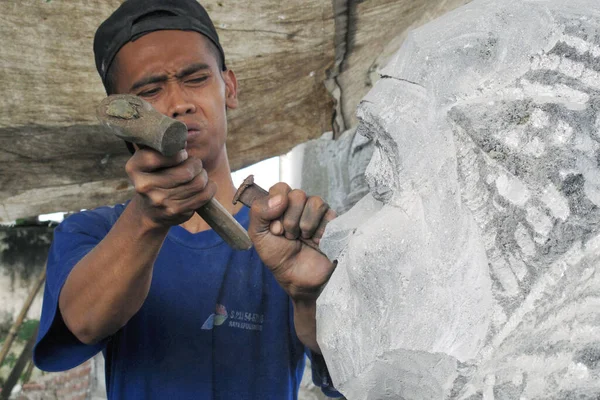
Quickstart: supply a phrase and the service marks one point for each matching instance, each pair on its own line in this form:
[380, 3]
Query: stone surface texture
[469, 270]
[334, 169]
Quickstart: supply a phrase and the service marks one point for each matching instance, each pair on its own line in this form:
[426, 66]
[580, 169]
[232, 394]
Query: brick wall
[74, 384]
[85, 382]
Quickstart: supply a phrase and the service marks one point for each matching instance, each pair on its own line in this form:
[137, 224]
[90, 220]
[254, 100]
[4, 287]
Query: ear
[231, 88]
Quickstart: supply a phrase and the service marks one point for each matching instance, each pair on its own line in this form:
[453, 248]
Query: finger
[293, 212]
[329, 215]
[199, 190]
[179, 175]
[280, 188]
[199, 199]
[267, 209]
[313, 213]
[276, 228]
[148, 160]
[195, 187]
[170, 178]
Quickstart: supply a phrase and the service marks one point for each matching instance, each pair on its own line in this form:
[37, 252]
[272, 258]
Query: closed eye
[149, 92]
[198, 80]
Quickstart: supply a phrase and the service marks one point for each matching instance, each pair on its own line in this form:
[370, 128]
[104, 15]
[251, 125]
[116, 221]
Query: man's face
[179, 74]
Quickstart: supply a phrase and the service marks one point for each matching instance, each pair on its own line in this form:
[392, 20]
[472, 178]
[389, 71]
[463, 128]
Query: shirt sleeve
[320, 374]
[56, 348]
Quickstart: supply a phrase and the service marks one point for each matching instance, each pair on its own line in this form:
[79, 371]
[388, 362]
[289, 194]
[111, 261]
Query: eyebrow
[192, 69]
[189, 70]
[147, 81]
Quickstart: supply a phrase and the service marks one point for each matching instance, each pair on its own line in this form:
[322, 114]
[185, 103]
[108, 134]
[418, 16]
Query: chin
[196, 152]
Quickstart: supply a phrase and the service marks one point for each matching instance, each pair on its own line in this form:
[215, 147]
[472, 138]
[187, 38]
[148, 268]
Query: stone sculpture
[469, 271]
[334, 169]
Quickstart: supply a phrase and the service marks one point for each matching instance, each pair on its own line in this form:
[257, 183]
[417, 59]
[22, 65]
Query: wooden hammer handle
[219, 219]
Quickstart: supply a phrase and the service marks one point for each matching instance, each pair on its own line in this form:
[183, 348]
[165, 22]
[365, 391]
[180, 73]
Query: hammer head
[135, 120]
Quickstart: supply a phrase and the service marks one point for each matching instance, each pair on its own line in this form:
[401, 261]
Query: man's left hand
[276, 223]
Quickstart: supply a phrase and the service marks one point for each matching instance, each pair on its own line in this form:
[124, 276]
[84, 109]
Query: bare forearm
[110, 284]
[306, 323]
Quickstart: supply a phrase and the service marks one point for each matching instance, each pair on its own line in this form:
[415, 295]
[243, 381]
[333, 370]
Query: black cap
[135, 18]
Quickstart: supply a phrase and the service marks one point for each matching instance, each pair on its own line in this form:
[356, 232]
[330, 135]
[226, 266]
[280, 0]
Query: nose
[179, 103]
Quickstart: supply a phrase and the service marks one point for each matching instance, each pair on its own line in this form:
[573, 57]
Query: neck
[221, 175]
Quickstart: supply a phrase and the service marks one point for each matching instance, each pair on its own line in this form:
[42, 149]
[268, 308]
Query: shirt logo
[236, 319]
[216, 319]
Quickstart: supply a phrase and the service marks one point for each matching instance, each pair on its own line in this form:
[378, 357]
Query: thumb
[264, 211]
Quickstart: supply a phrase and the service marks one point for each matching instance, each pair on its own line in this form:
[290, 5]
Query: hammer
[135, 120]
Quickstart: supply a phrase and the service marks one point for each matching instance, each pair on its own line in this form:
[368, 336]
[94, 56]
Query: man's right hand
[110, 284]
[168, 189]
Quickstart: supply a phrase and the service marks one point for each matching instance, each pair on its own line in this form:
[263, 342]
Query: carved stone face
[486, 155]
[400, 280]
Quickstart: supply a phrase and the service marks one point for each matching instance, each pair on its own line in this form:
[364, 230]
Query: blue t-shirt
[215, 324]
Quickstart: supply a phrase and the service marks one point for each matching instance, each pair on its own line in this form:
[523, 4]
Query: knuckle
[143, 160]
[290, 225]
[145, 156]
[130, 166]
[200, 184]
[203, 180]
[306, 226]
[297, 195]
[157, 201]
[317, 203]
[188, 174]
[197, 185]
[171, 211]
[320, 230]
[142, 187]
[197, 164]
[280, 187]
[160, 199]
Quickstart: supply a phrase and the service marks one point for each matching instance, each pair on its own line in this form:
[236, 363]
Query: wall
[23, 253]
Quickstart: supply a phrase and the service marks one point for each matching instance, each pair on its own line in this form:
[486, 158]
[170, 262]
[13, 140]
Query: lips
[192, 126]
[193, 130]
[193, 133]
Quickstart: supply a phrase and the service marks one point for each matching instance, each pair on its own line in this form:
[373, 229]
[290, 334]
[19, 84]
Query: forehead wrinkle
[191, 69]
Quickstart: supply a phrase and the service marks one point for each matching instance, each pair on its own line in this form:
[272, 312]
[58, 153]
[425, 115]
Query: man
[177, 313]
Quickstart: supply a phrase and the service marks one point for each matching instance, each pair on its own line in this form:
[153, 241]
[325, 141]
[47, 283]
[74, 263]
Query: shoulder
[101, 218]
